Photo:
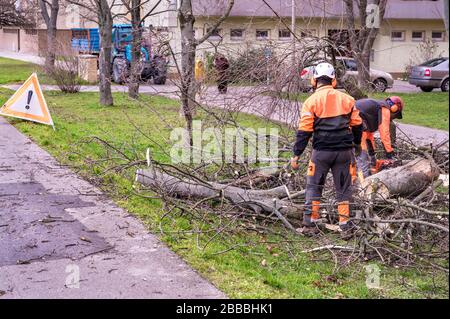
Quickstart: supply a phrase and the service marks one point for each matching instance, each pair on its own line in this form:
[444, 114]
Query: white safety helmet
[324, 69]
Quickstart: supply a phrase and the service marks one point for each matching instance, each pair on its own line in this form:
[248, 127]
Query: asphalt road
[404, 87]
[60, 237]
[399, 86]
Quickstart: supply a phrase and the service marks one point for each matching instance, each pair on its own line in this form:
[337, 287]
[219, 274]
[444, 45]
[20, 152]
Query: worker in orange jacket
[377, 115]
[331, 119]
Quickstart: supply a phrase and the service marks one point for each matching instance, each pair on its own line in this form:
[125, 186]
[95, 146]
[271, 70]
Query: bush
[250, 66]
[65, 73]
[425, 51]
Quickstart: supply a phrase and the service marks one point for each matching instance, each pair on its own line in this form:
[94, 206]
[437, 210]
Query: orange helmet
[396, 105]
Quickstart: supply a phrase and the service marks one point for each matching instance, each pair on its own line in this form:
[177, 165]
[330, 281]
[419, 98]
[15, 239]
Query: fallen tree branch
[328, 247]
[258, 200]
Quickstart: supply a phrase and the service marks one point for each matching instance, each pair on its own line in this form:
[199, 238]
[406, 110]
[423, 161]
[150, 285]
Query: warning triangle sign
[28, 103]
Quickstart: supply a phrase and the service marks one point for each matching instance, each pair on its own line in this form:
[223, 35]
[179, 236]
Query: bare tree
[189, 45]
[362, 35]
[12, 14]
[134, 8]
[104, 18]
[49, 11]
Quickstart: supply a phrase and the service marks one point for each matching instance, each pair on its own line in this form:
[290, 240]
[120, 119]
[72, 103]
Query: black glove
[357, 150]
[390, 155]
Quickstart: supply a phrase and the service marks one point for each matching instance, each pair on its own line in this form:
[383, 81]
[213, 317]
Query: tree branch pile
[401, 215]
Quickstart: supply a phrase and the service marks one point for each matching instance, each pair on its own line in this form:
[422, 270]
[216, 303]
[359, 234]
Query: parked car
[430, 75]
[381, 80]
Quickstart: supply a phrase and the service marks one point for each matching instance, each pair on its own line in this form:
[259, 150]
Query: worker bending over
[330, 117]
[376, 115]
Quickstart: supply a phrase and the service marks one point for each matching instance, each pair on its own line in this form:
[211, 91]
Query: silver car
[381, 81]
[430, 75]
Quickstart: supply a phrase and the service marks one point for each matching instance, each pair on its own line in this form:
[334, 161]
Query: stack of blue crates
[89, 45]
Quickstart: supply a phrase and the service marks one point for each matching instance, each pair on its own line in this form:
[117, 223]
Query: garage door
[10, 40]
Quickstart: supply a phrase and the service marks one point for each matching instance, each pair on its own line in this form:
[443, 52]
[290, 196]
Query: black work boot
[310, 227]
[348, 229]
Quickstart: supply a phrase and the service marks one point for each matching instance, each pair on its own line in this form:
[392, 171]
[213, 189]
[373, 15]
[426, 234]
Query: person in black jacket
[222, 65]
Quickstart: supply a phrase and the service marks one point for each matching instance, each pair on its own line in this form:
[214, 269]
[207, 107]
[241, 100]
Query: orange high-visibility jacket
[330, 117]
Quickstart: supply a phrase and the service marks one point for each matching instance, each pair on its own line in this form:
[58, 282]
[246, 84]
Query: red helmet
[398, 102]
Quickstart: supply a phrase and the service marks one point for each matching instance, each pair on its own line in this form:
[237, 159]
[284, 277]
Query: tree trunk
[105, 26]
[188, 47]
[404, 181]
[363, 65]
[189, 44]
[257, 200]
[363, 36]
[51, 23]
[446, 9]
[136, 65]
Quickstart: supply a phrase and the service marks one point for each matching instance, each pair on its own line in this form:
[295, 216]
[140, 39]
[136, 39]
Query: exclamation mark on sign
[30, 95]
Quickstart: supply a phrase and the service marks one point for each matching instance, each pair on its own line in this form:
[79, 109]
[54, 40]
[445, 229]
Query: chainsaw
[385, 164]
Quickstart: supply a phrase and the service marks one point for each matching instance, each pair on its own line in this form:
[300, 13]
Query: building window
[418, 35]
[398, 35]
[79, 34]
[437, 35]
[10, 30]
[284, 34]
[215, 35]
[236, 34]
[262, 34]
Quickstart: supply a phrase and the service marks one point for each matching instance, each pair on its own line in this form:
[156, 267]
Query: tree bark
[404, 181]
[51, 23]
[257, 200]
[363, 65]
[105, 22]
[446, 9]
[136, 67]
[363, 36]
[189, 45]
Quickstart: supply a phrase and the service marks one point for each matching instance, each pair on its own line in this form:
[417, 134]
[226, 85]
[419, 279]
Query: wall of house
[63, 40]
[388, 55]
[393, 55]
[29, 41]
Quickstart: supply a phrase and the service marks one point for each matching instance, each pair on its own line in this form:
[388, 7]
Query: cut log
[404, 181]
[258, 200]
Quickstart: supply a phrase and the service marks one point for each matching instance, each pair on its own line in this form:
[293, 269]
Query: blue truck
[87, 40]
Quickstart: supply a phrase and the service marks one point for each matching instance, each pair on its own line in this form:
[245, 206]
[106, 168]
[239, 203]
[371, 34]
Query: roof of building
[396, 9]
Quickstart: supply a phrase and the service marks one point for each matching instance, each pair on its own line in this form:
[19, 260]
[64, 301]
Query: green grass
[424, 109]
[14, 71]
[240, 272]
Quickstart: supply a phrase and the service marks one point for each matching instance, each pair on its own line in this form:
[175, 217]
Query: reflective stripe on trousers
[343, 168]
